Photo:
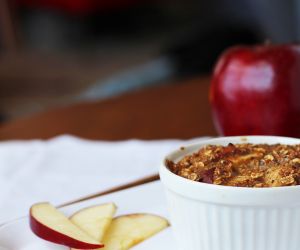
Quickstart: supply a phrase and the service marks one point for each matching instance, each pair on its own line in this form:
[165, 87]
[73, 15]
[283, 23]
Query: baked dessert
[242, 165]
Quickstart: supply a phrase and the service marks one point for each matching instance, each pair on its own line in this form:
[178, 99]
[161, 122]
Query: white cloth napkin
[66, 168]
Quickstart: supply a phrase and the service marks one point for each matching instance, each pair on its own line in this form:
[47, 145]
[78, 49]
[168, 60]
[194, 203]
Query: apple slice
[50, 224]
[95, 220]
[128, 230]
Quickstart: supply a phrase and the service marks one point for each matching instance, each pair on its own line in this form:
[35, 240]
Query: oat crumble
[242, 165]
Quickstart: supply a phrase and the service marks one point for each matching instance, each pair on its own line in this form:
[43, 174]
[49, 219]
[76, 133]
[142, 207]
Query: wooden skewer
[135, 183]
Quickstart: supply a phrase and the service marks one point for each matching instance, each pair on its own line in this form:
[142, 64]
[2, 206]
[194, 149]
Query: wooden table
[178, 110]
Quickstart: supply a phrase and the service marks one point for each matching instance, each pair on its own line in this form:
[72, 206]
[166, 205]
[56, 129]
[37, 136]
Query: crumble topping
[242, 165]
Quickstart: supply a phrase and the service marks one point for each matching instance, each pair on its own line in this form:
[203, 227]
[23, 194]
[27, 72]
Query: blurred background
[59, 52]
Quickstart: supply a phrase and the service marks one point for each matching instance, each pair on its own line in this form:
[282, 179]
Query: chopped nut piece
[296, 160]
[256, 175]
[208, 152]
[269, 157]
[287, 180]
[193, 176]
[259, 185]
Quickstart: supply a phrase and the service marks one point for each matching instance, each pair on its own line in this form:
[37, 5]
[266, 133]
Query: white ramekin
[213, 217]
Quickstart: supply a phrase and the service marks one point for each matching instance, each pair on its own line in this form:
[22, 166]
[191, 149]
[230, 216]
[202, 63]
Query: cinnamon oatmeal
[242, 165]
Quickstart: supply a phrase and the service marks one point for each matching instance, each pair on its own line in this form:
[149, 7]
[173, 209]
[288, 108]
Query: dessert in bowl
[234, 193]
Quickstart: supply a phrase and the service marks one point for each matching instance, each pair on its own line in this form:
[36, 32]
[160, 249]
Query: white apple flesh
[128, 230]
[50, 224]
[95, 220]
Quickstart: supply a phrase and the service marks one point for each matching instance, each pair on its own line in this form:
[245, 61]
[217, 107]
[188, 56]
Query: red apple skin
[53, 236]
[256, 91]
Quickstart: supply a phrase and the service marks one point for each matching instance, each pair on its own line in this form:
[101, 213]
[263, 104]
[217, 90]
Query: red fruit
[256, 91]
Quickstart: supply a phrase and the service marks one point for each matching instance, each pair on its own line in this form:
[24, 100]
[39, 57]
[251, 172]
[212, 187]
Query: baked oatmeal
[242, 165]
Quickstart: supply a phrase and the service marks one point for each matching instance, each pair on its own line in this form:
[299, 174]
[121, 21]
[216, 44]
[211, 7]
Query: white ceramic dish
[213, 217]
[146, 198]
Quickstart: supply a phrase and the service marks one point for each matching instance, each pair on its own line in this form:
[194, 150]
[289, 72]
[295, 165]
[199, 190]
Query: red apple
[256, 90]
[51, 225]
